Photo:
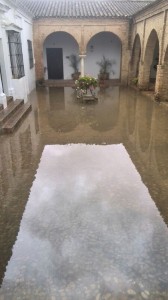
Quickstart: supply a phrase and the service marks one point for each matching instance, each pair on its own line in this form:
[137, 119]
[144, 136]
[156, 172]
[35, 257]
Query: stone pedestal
[3, 100]
[12, 93]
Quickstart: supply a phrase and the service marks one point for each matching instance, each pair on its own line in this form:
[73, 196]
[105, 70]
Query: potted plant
[85, 87]
[40, 82]
[135, 80]
[74, 63]
[105, 68]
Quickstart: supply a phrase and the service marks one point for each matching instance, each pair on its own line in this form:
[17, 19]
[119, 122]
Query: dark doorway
[55, 63]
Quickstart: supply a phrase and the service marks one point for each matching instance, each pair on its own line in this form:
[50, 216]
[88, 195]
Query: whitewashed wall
[14, 19]
[27, 34]
[68, 44]
[103, 44]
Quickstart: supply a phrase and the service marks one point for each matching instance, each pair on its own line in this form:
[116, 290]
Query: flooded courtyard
[84, 199]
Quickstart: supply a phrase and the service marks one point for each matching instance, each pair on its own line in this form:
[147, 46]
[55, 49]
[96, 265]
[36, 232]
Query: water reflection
[131, 111]
[87, 233]
[121, 116]
[107, 113]
[60, 119]
[145, 122]
[18, 162]
[56, 98]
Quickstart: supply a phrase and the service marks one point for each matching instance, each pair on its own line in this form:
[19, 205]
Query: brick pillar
[144, 74]
[38, 51]
[134, 63]
[39, 64]
[125, 66]
[133, 70]
[161, 86]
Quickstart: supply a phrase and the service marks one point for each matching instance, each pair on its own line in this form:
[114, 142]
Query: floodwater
[84, 199]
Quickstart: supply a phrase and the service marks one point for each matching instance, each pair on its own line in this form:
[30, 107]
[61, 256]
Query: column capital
[82, 55]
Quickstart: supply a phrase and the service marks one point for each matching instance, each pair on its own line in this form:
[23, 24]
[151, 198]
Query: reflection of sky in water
[89, 221]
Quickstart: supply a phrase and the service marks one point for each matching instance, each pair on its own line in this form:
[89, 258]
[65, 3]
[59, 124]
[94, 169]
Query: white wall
[3, 67]
[14, 19]
[27, 34]
[103, 44]
[68, 44]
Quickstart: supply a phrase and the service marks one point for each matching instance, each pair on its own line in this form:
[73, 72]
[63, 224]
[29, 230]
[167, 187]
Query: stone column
[82, 57]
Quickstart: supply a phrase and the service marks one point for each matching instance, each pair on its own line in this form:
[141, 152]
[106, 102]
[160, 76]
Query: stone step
[109, 82]
[6, 113]
[59, 83]
[71, 83]
[9, 100]
[1, 107]
[16, 118]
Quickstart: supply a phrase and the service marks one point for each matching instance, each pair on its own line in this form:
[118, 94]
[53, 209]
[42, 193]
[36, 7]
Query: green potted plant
[74, 63]
[105, 65]
[40, 82]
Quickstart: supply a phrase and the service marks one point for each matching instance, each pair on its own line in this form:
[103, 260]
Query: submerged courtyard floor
[84, 199]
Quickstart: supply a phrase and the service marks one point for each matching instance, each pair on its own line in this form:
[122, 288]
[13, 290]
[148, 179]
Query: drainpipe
[82, 57]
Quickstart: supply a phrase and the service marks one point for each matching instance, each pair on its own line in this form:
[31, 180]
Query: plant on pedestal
[74, 63]
[86, 86]
[105, 65]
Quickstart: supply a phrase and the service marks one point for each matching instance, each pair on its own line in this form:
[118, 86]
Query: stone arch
[135, 57]
[107, 44]
[57, 48]
[151, 58]
[52, 30]
[118, 34]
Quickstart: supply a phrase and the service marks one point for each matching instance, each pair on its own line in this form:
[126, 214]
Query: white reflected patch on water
[89, 228]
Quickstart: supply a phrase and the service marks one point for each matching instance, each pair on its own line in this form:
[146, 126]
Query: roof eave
[145, 7]
[82, 17]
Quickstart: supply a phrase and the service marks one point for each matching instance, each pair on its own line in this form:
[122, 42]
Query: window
[30, 50]
[16, 56]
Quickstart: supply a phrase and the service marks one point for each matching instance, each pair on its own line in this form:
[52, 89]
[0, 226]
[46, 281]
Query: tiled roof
[83, 8]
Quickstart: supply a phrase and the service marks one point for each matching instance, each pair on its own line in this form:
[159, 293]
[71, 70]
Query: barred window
[16, 55]
[30, 51]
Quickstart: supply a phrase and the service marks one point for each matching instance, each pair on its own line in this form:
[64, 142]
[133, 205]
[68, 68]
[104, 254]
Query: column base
[3, 100]
[12, 92]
